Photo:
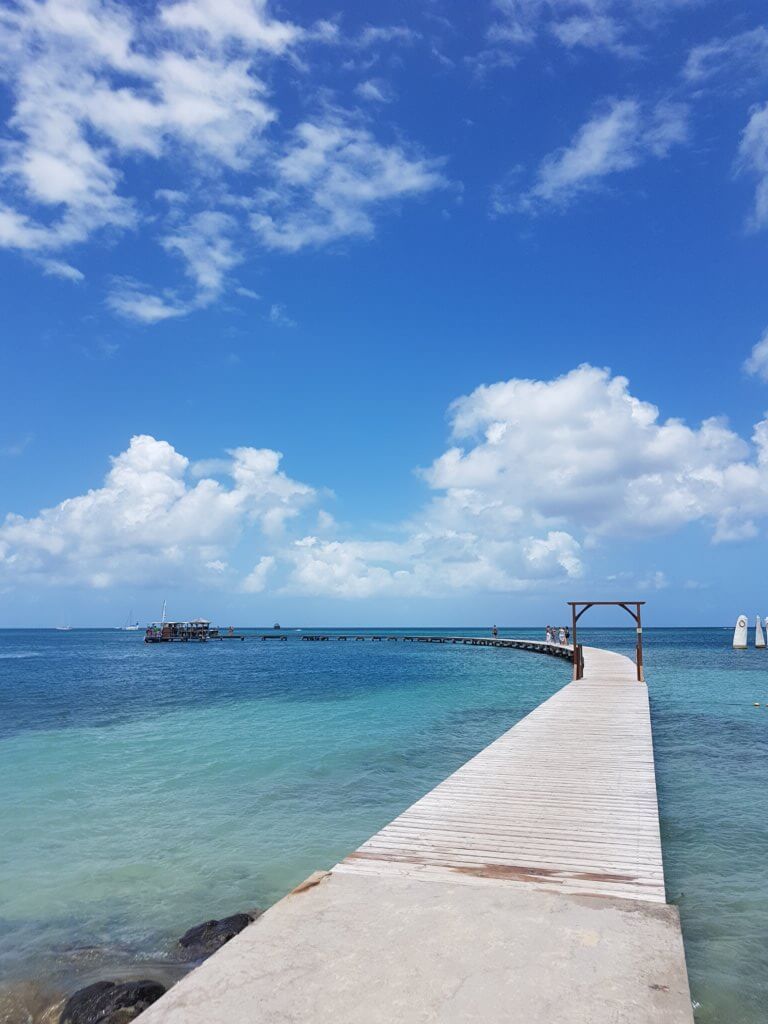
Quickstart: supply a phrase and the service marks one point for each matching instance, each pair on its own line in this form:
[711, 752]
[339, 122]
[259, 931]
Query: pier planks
[564, 801]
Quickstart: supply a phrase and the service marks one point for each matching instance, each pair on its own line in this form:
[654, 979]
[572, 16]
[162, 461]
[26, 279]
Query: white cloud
[58, 268]
[134, 301]
[330, 179]
[757, 363]
[552, 554]
[73, 118]
[256, 580]
[205, 244]
[654, 581]
[540, 474]
[278, 316]
[617, 139]
[221, 20]
[743, 56]
[148, 524]
[372, 35]
[375, 90]
[179, 89]
[583, 453]
[15, 448]
[753, 158]
[593, 31]
[594, 24]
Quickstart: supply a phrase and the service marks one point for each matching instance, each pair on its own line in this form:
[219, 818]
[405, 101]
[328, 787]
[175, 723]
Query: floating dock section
[527, 887]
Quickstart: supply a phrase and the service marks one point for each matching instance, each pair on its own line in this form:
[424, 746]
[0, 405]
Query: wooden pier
[528, 887]
[540, 646]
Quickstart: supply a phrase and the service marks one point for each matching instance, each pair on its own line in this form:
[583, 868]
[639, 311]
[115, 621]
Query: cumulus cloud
[256, 580]
[618, 138]
[539, 474]
[583, 452]
[147, 523]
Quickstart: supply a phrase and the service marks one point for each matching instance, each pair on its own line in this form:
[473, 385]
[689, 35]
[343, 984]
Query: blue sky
[490, 277]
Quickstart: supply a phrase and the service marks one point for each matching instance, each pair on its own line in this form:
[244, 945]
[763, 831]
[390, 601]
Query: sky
[403, 314]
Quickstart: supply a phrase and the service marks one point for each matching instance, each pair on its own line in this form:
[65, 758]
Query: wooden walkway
[564, 801]
[540, 646]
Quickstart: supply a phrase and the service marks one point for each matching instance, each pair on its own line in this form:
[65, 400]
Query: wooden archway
[577, 610]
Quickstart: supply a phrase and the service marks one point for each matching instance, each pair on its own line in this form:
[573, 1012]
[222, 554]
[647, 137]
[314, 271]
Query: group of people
[554, 634]
[558, 635]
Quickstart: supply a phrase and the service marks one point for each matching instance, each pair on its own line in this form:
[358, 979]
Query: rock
[109, 1002]
[206, 938]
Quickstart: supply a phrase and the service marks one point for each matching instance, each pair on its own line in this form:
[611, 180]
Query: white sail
[740, 634]
[759, 637]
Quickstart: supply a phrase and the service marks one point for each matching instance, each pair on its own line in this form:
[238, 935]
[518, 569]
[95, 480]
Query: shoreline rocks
[110, 1002]
[204, 939]
[120, 1002]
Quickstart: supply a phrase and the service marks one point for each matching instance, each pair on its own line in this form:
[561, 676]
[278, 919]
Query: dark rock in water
[109, 1002]
[206, 938]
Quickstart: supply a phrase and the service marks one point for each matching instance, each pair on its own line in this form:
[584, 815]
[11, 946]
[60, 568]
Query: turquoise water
[146, 788]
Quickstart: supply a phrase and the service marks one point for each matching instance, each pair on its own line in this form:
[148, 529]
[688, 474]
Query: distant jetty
[196, 631]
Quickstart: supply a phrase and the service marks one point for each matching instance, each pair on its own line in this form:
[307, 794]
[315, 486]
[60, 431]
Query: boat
[129, 627]
[63, 629]
[740, 634]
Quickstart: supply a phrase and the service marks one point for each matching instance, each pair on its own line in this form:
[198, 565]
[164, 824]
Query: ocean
[145, 788]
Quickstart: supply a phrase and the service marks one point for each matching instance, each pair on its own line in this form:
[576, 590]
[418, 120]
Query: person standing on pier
[494, 631]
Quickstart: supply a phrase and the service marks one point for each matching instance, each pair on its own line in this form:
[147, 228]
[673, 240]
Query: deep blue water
[145, 788]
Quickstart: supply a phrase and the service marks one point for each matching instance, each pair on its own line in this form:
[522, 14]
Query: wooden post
[576, 659]
[639, 655]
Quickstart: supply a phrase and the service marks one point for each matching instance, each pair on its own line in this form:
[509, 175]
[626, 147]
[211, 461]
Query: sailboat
[129, 626]
[63, 629]
[740, 634]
